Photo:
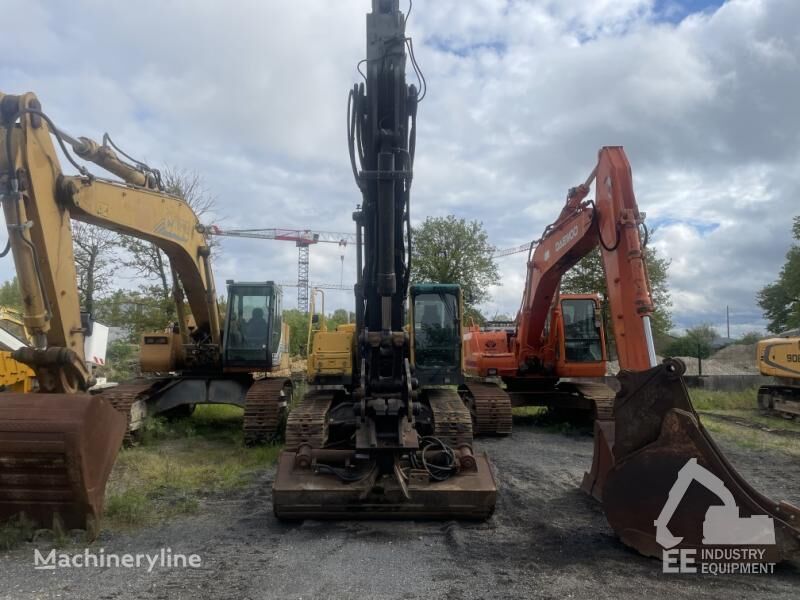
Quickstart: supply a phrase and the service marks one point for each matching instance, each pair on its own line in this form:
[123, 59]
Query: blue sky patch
[674, 11]
[702, 227]
[464, 50]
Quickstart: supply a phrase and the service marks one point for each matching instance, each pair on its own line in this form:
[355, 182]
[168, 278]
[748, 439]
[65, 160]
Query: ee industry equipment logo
[731, 543]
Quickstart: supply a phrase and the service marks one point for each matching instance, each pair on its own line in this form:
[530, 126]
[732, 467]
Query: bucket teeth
[56, 454]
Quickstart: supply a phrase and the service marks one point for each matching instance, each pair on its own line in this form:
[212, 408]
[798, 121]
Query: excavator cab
[581, 339]
[435, 318]
[253, 328]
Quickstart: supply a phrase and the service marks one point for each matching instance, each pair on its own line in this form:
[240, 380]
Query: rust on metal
[656, 433]
[304, 493]
[56, 454]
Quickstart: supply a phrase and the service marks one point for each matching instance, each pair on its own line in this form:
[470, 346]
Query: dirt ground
[546, 540]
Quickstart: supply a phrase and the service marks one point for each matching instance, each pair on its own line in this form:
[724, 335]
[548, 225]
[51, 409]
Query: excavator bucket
[645, 464]
[56, 453]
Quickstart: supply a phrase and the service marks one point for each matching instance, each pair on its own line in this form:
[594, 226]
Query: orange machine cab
[573, 344]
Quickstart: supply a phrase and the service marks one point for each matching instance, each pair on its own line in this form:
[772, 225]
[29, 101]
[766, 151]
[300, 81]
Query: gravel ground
[546, 540]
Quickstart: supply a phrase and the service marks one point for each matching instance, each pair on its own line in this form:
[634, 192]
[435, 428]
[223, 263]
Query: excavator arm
[612, 220]
[38, 207]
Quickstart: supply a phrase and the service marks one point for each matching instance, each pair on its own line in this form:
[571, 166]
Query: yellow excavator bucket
[56, 454]
[641, 461]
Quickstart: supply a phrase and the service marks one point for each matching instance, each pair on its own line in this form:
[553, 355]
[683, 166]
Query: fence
[731, 368]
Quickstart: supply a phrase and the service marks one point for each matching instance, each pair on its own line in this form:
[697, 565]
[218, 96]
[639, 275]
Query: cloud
[522, 95]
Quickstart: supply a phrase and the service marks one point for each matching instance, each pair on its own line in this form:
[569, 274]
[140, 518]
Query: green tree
[136, 311]
[697, 342]
[451, 250]
[122, 361]
[10, 296]
[588, 277]
[751, 337]
[339, 317]
[780, 300]
[473, 315]
[298, 331]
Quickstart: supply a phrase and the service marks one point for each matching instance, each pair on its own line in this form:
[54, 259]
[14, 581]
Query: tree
[298, 331]
[751, 337]
[339, 317]
[10, 296]
[451, 250]
[697, 342]
[587, 277]
[780, 300]
[473, 315]
[136, 311]
[95, 253]
[145, 258]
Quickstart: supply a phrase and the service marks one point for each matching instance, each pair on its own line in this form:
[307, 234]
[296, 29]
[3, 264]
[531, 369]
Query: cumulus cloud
[522, 95]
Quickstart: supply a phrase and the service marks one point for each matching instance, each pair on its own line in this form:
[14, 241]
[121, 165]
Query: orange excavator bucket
[640, 461]
[56, 454]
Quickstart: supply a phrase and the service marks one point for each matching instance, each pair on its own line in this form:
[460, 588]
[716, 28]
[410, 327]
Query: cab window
[582, 341]
[436, 341]
[248, 326]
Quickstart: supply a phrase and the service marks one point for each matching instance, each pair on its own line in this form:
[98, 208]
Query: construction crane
[513, 250]
[303, 238]
[321, 286]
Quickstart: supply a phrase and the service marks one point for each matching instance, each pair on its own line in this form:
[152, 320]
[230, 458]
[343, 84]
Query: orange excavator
[561, 336]
[646, 433]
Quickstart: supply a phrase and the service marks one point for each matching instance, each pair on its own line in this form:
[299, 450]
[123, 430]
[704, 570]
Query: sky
[703, 96]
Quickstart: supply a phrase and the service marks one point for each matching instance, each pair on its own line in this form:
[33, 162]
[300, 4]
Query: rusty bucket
[638, 463]
[56, 454]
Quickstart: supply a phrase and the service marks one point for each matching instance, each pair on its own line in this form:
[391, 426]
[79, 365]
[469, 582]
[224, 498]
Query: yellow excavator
[14, 376]
[57, 446]
[779, 357]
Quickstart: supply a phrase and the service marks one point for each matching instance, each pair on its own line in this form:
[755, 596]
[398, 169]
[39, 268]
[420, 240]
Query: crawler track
[451, 418]
[125, 398]
[600, 394]
[490, 406]
[308, 422]
[266, 404]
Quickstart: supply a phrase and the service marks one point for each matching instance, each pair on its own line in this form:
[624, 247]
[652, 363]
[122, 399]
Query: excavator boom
[57, 447]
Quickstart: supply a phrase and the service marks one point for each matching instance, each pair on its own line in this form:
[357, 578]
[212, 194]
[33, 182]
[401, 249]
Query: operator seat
[257, 328]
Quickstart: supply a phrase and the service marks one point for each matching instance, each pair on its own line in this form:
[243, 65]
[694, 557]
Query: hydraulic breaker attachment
[307, 487]
[56, 454]
[644, 466]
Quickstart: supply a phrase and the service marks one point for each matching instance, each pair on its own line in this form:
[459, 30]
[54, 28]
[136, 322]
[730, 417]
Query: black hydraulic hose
[596, 222]
[53, 129]
[7, 248]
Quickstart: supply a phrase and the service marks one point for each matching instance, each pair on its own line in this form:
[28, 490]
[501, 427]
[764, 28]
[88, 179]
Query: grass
[178, 464]
[553, 420]
[15, 531]
[753, 439]
[712, 400]
[743, 405]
